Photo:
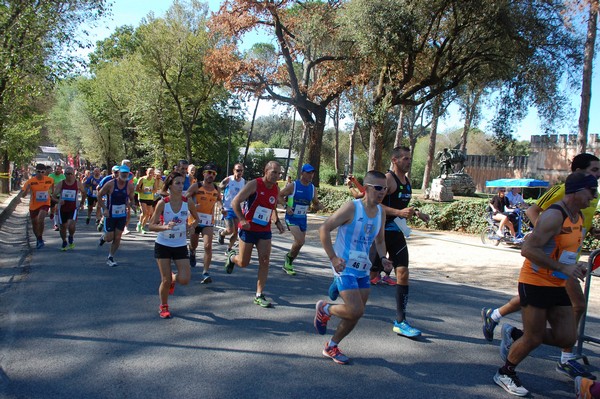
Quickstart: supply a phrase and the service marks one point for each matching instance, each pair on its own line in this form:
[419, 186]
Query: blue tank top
[117, 201]
[302, 197]
[354, 240]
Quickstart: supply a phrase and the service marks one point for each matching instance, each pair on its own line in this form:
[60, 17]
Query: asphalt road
[72, 327]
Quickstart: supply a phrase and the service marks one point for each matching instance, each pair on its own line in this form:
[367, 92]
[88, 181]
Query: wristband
[382, 258]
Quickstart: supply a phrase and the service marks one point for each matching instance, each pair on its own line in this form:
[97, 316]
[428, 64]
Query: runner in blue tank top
[300, 195]
[359, 224]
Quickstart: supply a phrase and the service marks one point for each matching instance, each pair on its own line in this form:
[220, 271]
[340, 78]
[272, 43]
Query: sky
[131, 12]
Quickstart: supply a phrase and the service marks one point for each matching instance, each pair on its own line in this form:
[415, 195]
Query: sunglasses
[40, 171]
[377, 187]
[210, 172]
[68, 173]
[239, 170]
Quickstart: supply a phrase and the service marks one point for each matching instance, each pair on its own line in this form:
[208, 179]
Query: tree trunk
[375, 146]
[336, 148]
[300, 160]
[287, 164]
[5, 171]
[351, 148]
[252, 129]
[432, 138]
[586, 87]
[470, 112]
[400, 127]
[316, 141]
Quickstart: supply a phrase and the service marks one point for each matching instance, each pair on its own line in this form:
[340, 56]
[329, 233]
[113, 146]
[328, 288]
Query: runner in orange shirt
[40, 186]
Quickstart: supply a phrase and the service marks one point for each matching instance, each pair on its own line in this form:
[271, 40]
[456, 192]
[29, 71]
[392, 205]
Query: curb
[8, 206]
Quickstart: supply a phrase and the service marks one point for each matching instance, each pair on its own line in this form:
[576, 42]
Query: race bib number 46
[359, 261]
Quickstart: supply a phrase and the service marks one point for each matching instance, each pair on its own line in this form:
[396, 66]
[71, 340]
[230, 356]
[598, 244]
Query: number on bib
[261, 216]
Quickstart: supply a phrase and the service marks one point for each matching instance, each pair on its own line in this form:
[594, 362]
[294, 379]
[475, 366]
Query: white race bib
[401, 223]
[359, 261]
[69, 195]
[567, 258]
[41, 196]
[205, 219]
[118, 211]
[262, 215]
[300, 210]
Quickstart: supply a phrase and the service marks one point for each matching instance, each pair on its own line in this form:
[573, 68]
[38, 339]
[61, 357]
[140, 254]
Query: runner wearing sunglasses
[40, 186]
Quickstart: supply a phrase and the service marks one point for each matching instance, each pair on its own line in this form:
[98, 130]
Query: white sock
[332, 343]
[566, 356]
[496, 316]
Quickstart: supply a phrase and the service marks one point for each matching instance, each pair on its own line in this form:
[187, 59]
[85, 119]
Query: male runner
[359, 224]
[231, 186]
[300, 194]
[550, 252]
[66, 192]
[40, 186]
[57, 176]
[205, 195]
[105, 179]
[255, 226]
[91, 189]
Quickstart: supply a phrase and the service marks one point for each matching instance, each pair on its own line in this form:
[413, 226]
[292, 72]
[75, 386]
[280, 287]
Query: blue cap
[307, 168]
[124, 169]
[116, 168]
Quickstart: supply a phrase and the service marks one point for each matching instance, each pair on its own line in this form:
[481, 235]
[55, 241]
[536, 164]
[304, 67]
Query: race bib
[300, 210]
[94, 193]
[205, 219]
[118, 211]
[359, 261]
[41, 196]
[568, 258]
[69, 195]
[401, 223]
[147, 190]
[262, 216]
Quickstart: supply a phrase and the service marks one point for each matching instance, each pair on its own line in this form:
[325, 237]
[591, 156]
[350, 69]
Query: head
[115, 171]
[96, 172]
[182, 166]
[173, 182]
[501, 192]
[375, 185]
[272, 172]
[587, 163]
[401, 159]
[581, 188]
[209, 173]
[191, 170]
[307, 173]
[40, 170]
[70, 173]
[58, 170]
[158, 173]
[238, 170]
[150, 173]
[516, 190]
[124, 173]
[126, 162]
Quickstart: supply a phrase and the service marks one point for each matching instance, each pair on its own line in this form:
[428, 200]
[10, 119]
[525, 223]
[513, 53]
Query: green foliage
[333, 197]
[256, 162]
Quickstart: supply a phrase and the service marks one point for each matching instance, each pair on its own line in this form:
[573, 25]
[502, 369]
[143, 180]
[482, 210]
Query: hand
[223, 211]
[280, 227]
[245, 225]
[577, 271]
[424, 217]
[289, 211]
[338, 264]
[170, 225]
[387, 265]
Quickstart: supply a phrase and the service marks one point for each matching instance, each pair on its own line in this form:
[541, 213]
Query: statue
[448, 158]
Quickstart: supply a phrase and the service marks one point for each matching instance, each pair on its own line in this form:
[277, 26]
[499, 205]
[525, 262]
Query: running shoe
[376, 280]
[192, 259]
[101, 241]
[334, 353]
[507, 341]
[138, 227]
[110, 261]
[287, 266]
[100, 226]
[262, 301]
[87, 221]
[206, 279]
[229, 265]
[574, 369]
[510, 383]
[221, 239]
[405, 329]
[39, 244]
[388, 280]
[582, 388]
[64, 246]
[126, 231]
[333, 290]
[72, 245]
[55, 227]
[172, 286]
[163, 312]
[488, 323]
[321, 318]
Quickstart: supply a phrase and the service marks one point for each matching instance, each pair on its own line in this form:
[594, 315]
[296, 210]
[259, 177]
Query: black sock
[508, 368]
[401, 301]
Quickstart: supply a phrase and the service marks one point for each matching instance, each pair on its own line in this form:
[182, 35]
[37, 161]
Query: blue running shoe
[321, 318]
[573, 369]
[334, 293]
[507, 341]
[405, 329]
[334, 353]
[488, 324]
[40, 244]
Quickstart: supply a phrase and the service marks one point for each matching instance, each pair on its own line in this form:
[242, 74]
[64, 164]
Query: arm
[105, 190]
[381, 249]
[154, 224]
[548, 226]
[236, 203]
[224, 183]
[342, 216]
[287, 191]
[139, 185]
[81, 187]
[193, 189]
[533, 213]
[57, 190]
[317, 204]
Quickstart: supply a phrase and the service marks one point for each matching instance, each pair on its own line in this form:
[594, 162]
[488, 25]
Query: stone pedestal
[461, 184]
[441, 191]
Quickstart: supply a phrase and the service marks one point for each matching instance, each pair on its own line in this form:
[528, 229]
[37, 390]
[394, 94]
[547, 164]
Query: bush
[333, 197]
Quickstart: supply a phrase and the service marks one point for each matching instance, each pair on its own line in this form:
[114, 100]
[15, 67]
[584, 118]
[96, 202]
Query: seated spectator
[501, 211]
[515, 198]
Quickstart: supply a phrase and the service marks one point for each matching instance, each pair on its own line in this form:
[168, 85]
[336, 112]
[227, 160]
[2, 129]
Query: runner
[146, 187]
[300, 194]
[359, 224]
[57, 176]
[550, 253]
[119, 193]
[568, 365]
[231, 186]
[91, 187]
[171, 240]
[182, 168]
[105, 179]
[39, 186]
[205, 195]
[127, 162]
[66, 192]
[255, 226]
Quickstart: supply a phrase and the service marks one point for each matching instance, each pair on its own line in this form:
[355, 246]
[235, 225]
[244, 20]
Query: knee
[208, 248]
[183, 280]
[242, 262]
[299, 243]
[356, 313]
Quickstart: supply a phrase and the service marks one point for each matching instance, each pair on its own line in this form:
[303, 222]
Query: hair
[183, 161]
[240, 164]
[125, 162]
[396, 152]
[40, 166]
[372, 175]
[271, 164]
[582, 161]
[169, 180]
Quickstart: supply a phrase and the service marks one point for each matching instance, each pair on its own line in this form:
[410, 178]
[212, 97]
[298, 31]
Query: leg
[350, 311]
[299, 239]
[263, 247]
[207, 238]
[164, 266]
[233, 232]
[116, 242]
[243, 258]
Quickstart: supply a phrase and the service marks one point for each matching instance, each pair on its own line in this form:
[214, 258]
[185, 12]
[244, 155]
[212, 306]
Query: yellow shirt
[556, 193]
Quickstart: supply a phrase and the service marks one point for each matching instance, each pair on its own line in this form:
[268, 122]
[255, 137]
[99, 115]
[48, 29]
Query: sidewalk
[7, 204]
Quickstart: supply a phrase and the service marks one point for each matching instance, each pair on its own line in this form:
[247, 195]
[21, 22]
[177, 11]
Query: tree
[33, 36]
[311, 67]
